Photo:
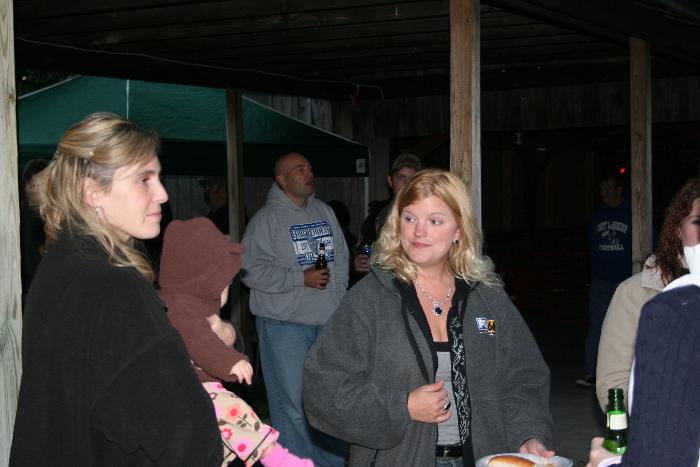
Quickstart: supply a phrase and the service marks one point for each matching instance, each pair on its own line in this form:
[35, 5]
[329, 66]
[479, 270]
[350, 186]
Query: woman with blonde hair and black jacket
[106, 379]
[426, 361]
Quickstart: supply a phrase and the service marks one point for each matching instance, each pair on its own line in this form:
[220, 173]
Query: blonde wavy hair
[465, 259]
[93, 148]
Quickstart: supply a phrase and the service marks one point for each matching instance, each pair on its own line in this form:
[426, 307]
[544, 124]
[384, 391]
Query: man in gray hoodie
[291, 298]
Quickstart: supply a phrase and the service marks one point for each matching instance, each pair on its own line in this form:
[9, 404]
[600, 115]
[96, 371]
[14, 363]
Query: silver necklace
[437, 306]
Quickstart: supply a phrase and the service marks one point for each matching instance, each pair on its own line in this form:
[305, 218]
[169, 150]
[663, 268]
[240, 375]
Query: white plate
[556, 461]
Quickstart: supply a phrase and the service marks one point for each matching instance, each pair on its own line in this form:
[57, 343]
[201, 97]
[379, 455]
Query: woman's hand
[598, 453]
[535, 446]
[429, 403]
[243, 371]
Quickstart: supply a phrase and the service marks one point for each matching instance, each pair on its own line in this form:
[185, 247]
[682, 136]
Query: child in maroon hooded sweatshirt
[197, 266]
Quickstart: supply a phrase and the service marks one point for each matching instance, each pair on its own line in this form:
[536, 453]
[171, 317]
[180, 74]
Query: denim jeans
[283, 350]
[448, 462]
[599, 296]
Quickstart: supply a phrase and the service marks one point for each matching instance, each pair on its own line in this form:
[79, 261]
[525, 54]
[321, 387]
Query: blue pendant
[438, 311]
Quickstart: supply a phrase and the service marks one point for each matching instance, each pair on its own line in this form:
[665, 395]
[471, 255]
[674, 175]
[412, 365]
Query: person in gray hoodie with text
[291, 298]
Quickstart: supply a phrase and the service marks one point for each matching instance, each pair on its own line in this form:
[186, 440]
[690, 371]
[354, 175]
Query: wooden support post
[465, 96]
[378, 168]
[234, 153]
[236, 206]
[10, 282]
[640, 131]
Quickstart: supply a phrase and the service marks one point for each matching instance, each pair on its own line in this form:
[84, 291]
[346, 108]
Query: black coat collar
[410, 305]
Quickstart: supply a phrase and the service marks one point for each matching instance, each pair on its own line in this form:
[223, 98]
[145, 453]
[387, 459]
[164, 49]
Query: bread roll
[514, 461]
[510, 461]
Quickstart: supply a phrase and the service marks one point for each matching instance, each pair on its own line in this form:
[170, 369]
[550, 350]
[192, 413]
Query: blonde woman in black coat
[106, 379]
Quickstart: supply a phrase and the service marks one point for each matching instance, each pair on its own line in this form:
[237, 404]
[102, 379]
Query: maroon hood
[198, 260]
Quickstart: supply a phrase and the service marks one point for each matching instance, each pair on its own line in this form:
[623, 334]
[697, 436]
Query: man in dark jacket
[403, 168]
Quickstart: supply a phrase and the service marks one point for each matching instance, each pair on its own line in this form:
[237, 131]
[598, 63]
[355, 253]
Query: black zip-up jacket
[106, 378]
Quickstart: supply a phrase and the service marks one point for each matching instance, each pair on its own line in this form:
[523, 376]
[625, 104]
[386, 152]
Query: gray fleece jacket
[361, 368]
[282, 241]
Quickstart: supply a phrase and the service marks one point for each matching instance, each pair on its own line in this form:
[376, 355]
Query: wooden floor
[577, 416]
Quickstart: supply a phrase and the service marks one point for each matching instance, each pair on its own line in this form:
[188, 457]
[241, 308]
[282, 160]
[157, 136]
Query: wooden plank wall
[363, 124]
[316, 112]
[504, 113]
[590, 105]
[320, 113]
[10, 285]
[376, 123]
[185, 196]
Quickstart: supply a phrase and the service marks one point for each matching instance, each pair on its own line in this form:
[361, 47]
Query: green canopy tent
[191, 122]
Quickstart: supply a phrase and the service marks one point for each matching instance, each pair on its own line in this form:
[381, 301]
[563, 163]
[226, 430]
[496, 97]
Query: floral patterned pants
[244, 435]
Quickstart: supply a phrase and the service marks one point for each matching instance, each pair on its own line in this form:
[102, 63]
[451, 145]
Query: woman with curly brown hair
[681, 228]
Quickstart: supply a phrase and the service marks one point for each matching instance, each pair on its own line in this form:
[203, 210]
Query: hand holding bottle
[609, 449]
[616, 436]
[361, 263]
[599, 454]
[318, 275]
[316, 278]
[363, 257]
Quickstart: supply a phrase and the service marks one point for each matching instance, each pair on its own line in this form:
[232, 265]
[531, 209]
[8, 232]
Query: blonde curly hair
[464, 259]
[93, 148]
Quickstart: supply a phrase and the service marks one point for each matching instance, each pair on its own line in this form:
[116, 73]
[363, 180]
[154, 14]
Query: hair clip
[89, 157]
[57, 154]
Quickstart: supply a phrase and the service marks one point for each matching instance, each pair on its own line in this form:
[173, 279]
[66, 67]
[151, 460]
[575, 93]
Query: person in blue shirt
[610, 247]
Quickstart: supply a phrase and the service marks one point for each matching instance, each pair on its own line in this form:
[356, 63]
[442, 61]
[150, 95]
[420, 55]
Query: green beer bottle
[616, 437]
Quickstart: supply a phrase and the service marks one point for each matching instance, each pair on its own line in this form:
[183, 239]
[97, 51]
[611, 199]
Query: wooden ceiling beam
[214, 19]
[613, 69]
[64, 60]
[302, 58]
[419, 61]
[193, 14]
[155, 44]
[373, 22]
[689, 8]
[417, 29]
[528, 49]
[392, 44]
[616, 21]
[337, 45]
[194, 8]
